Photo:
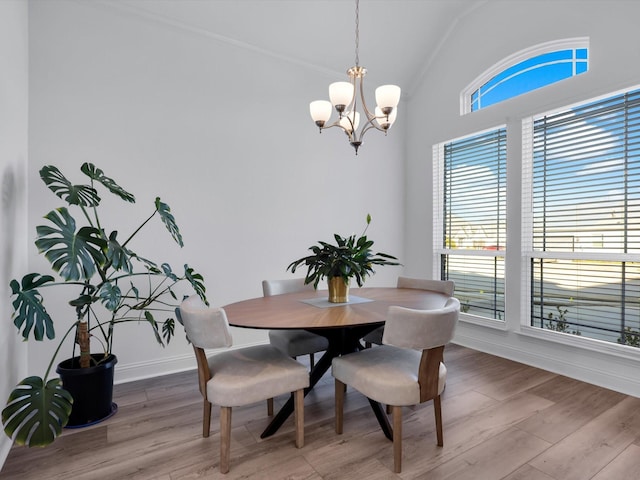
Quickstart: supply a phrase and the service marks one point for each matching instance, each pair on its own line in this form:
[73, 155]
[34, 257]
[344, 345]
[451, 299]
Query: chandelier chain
[357, 32]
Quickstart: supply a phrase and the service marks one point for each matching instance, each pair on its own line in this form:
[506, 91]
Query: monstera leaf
[168, 329]
[75, 256]
[118, 256]
[36, 412]
[197, 282]
[148, 316]
[148, 264]
[110, 296]
[29, 312]
[168, 272]
[96, 174]
[168, 220]
[83, 195]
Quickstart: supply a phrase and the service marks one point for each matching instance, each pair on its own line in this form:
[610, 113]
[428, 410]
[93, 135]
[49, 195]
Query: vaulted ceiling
[398, 38]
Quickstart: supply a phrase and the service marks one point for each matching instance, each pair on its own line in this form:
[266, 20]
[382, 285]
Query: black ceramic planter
[91, 389]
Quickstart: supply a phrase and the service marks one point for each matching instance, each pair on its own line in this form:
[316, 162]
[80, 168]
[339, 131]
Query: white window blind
[470, 181]
[585, 219]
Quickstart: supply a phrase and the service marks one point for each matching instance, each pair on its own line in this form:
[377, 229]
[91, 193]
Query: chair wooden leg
[311, 360]
[397, 438]
[225, 439]
[270, 406]
[339, 397]
[299, 414]
[206, 418]
[437, 408]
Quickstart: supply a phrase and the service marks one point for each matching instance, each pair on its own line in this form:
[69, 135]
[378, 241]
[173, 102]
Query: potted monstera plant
[107, 284]
[350, 257]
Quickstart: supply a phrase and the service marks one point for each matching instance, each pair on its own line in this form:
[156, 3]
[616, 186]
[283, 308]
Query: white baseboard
[179, 363]
[580, 365]
[156, 368]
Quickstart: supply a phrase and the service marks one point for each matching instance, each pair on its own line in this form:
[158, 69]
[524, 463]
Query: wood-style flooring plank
[575, 404]
[527, 472]
[497, 457]
[624, 466]
[592, 447]
[519, 381]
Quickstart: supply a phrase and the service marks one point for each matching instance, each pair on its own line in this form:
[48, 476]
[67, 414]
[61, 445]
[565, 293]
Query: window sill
[483, 321]
[584, 343]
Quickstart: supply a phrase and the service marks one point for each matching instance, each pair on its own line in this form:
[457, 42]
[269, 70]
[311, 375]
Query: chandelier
[344, 98]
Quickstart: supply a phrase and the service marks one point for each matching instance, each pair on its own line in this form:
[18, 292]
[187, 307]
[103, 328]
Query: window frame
[438, 157]
[528, 254]
[514, 59]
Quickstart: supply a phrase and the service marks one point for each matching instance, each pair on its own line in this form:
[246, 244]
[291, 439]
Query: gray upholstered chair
[440, 286]
[407, 369]
[238, 377]
[293, 342]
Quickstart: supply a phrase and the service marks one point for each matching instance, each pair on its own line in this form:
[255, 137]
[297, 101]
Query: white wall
[13, 187]
[478, 41]
[220, 133]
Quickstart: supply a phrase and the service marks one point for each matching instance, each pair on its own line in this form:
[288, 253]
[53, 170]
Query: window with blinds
[470, 213]
[584, 219]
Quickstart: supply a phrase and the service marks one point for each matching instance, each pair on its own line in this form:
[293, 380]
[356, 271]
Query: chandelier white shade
[340, 94]
[387, 98]
[320, 111]
[344, 99]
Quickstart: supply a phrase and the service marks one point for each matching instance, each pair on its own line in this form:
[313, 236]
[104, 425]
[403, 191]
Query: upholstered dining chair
[238, 377]
[407, 369]
[440, 286]
[293, 342]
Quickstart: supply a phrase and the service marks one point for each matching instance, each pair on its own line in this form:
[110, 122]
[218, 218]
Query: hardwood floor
[502, 420]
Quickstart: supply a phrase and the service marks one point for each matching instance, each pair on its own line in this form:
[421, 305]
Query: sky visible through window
[592, 158]
[531, 74]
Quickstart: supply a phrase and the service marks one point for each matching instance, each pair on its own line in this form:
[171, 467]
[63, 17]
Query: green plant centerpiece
[108, 283]
[350, 257]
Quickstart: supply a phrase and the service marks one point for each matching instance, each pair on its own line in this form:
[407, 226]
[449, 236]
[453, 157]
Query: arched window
[525, 71]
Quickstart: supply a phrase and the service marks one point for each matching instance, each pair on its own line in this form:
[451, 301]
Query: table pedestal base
[341, 341]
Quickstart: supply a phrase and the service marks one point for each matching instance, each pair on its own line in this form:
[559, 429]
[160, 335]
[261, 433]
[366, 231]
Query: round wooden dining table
[343, 324]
